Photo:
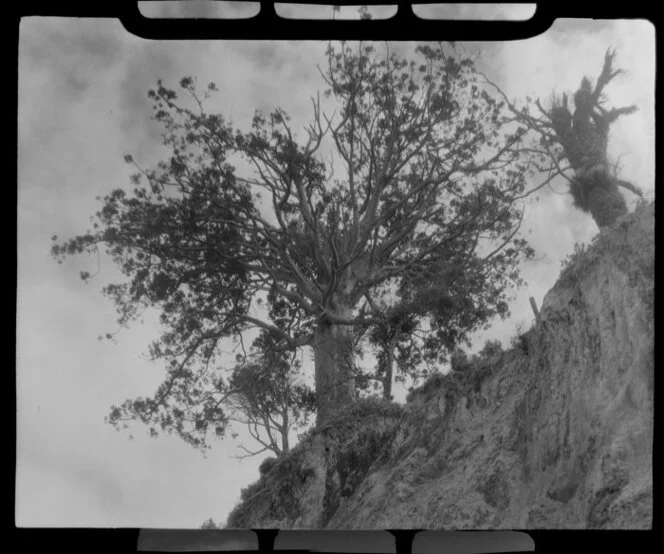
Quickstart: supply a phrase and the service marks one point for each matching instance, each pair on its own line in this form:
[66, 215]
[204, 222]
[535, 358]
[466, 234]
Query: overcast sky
[82, 107]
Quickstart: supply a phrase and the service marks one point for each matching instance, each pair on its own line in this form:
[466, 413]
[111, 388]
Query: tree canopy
[413, 222]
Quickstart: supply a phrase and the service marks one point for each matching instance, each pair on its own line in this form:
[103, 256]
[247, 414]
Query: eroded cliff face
[556, 432]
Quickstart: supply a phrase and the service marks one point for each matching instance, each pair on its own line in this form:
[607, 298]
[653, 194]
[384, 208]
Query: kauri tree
[415, 210]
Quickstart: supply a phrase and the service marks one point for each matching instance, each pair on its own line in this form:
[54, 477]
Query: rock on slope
[557, 432]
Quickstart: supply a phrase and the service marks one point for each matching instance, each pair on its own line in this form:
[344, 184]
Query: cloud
[59, 76]
[82, 51]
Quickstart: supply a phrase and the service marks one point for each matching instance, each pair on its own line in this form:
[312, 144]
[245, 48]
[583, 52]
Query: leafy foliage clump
[459, 360]
[210, 524]
[490, 350]
[467, 372]
[580, 249]
[274, 494]
[364, 408]
[350, 464]
[266, 465]
[434, 382]
[250, 491]
[522, 340]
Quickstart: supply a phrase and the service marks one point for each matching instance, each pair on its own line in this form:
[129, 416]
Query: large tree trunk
[285, 427]
[334, 357]
[387, 378]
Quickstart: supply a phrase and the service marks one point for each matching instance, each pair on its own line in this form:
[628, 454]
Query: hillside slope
[557, 432]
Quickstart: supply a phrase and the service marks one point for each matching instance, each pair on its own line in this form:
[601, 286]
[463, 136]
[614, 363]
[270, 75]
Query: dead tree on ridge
[580, 138]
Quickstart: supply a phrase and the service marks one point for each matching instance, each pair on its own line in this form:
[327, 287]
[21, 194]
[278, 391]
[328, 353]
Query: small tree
[430, 319]
[267, 398]
[580, 138]
[395, 344]
[210, 524]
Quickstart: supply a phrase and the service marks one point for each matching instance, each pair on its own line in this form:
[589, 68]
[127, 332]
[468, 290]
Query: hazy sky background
[82, 107]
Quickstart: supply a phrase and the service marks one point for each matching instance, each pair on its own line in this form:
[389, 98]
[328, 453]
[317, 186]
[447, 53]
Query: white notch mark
[198, 9]
[476, 12]
[332, 11]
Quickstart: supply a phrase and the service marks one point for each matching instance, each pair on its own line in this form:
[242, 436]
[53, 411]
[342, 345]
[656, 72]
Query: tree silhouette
[423, 184]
